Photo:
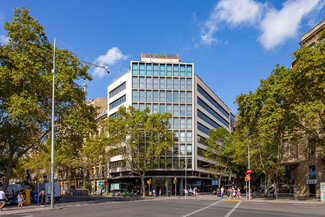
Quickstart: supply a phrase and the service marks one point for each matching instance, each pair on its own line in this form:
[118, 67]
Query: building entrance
[312, 190]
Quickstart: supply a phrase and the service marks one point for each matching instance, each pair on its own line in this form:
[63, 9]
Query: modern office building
[164, 84]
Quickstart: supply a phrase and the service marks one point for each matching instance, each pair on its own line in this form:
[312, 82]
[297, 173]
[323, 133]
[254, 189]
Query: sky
[232, 43]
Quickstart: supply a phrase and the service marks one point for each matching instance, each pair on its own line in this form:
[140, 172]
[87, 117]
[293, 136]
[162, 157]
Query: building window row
[175, 110]
[202, 140]
[210, 99]
[182, 123]
[161, 96]
[183, 136]
[176, 163]
[117, 90]
[117, 164]
[203, 164]
[115, 115]
[162, 69]
[117, 102]
[161, 83]
[207, 119]
[212, 112]
[203, 128]
[200, 151]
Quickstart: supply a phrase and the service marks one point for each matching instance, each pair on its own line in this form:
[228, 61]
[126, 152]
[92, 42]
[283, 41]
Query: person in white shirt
[3, 198]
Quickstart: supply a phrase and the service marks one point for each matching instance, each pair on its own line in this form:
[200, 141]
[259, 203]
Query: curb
[32, 210]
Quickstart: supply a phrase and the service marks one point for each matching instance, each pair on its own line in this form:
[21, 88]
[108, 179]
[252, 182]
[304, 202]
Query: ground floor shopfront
[163, 182]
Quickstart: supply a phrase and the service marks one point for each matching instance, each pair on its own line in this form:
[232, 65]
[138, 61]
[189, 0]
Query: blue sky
[233, 43]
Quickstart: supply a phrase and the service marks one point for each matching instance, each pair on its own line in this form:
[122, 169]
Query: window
[312, 172]
[175, 87]
[182, 150]
[117, 90]
[162, 163]
[155, 69]
[148, 98]
[135, 82]
[162, 96]
[189, 84]
[169, 83]
[189, 97]
[182, 137]
[169, 162]
[162, 83]
[201, 139]
[175, 97]
[149, 106]
[134, 95]
[141, 82]
[189, 110]
[189, 123]
[148, 83]
[169, 97]
[117, 102]
[175, 163]
[182, 70]
[141, 106]
[182, 163]
[207, 119]
[135, 68]
[210, 99]
[200, 151]
[182, 123]
[155, 108]
[169, 108]
[189, 70]
[189, 149]
[148, 69]
[155, 96]
[169, 70]
[203, 128]
[182, 108]
[182, 83]
[212, 112]
[155, 83]
[182, 96]
[175, 70]
[141, 96]
[162, 108]
[189, 136]
[176, 110]
[189, 163]
[135, 105]
[141, 69]
[175, 123]
[162, 70]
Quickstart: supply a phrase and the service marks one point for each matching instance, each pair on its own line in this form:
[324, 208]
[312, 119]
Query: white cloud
[278, 26]
[112, 56]
[233, 13]
[4, 39]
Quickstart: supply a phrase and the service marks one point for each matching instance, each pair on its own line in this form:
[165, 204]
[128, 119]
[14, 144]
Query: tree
[26, 92]
[139, 137]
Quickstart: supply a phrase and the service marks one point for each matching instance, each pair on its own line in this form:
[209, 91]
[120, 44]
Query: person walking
[21, 200]
[3, 199]
[222, 191]
[43, 197]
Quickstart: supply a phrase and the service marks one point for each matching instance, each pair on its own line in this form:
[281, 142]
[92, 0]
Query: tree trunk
[143, 186]
[11, 163]
[266, 190]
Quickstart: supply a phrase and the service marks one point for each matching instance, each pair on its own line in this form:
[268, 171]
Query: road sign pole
[249, 166]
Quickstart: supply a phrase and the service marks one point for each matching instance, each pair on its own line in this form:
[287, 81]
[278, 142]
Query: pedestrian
[222, 191]
[159, 192]
[43, 197]
[21, 200]
[154, 192]
[238, 194]
[186, 192]
[194, 192]
[3, 199]
[295, 193]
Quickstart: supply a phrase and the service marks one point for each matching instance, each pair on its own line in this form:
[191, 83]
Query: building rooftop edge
[315, 29]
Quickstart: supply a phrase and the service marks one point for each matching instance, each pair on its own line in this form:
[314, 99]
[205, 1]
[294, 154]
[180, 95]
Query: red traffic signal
[248, 171]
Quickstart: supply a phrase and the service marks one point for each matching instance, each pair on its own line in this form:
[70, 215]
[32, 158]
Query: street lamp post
[53, 101]
[249, 166]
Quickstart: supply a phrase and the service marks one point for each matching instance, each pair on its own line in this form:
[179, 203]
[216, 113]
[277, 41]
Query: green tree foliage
[138, 136]
[26, 93]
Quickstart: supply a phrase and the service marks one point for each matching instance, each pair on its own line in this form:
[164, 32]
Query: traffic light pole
[249, 166]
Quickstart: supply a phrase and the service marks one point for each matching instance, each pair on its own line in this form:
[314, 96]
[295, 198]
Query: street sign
[248, 171]
[100, 183]
[247, 178]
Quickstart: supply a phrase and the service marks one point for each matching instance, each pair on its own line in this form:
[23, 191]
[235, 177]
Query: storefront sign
[311, 181]
[322, 191]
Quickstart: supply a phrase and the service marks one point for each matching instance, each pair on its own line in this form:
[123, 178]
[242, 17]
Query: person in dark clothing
[43, 197]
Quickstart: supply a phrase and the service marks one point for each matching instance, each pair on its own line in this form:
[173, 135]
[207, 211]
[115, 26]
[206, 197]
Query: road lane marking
[199, 210]
[233, 210]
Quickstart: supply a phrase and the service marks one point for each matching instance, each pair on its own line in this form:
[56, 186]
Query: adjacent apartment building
[165, 84]
[306, 171]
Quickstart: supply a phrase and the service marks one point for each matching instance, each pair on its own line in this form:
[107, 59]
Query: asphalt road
[184, 208]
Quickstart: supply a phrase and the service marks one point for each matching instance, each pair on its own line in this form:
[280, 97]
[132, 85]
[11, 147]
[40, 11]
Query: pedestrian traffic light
[175, 180]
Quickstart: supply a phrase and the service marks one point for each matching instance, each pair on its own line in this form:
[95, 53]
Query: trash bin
[35, 197]
[28, 196]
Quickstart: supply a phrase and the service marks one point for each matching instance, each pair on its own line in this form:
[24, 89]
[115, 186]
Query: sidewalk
[11, 210]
